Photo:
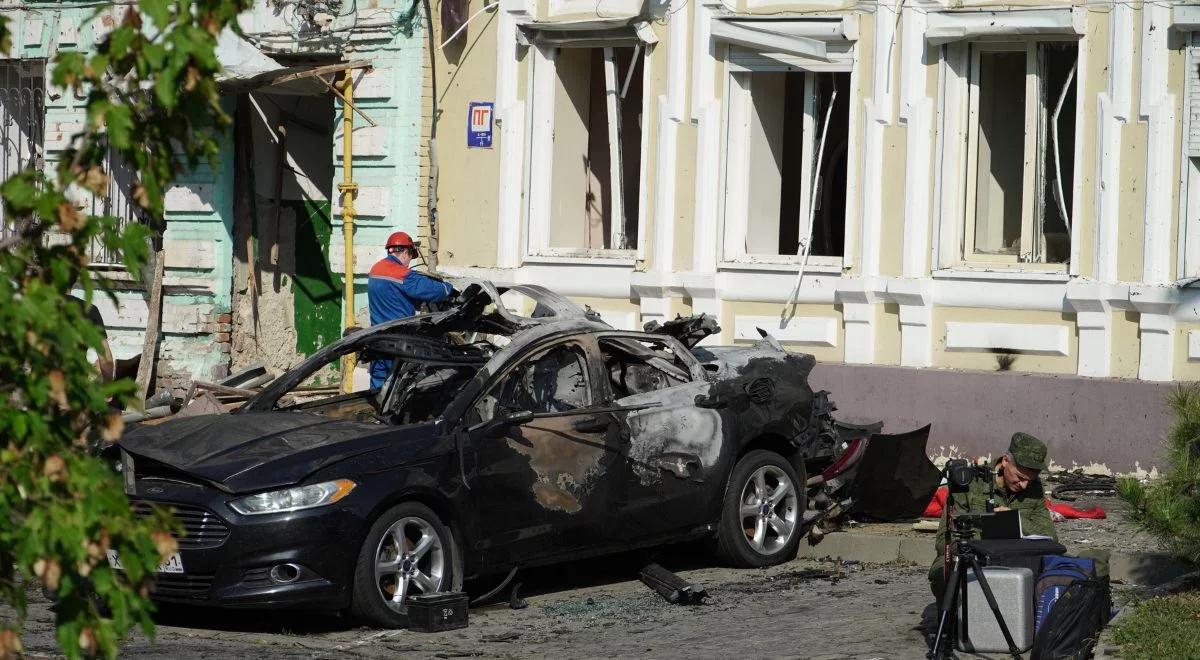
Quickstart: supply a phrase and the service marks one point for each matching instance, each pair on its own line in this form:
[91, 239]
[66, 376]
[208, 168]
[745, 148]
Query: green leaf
[159, 12]
[21, 192]
[119, 121]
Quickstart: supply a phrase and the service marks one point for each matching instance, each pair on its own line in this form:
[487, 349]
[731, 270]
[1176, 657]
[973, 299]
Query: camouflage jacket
[1030, 503]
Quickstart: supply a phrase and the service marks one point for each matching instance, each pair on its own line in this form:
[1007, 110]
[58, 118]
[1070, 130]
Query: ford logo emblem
[154, 490]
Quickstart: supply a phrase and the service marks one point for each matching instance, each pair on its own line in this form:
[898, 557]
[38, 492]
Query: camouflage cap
[1027, 451]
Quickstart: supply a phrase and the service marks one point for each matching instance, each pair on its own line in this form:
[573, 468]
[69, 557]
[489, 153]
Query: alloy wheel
[768, 509]
[411, 559]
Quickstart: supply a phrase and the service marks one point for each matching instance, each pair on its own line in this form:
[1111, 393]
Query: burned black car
[498, 440]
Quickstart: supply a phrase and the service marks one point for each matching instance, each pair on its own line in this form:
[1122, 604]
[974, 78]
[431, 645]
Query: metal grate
[22, 123]
[22, 146]
[118, 203]
[201, 527]
[181, 586]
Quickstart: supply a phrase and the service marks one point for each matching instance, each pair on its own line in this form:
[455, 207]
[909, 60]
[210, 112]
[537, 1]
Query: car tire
[764, 492]
[429, 562]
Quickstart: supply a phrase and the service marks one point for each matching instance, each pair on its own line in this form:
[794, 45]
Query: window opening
[554, 381]
[637, 366]
[781, 134]
[1021, 143]
[22, 123]
[597, 148]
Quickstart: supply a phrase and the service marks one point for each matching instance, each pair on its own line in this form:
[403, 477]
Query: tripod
[956, 593]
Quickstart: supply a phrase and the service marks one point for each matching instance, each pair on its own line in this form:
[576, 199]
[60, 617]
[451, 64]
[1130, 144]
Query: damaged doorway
[287, 300]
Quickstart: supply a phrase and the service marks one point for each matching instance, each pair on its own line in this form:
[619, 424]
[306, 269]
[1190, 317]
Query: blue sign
[479, 124]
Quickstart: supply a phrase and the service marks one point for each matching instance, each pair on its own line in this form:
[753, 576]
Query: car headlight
[293, 499]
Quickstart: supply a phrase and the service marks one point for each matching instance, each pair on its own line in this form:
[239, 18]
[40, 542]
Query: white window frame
[734, 152]
[1189, 197]
[1031, 175]
[953, 250]
[539, 157]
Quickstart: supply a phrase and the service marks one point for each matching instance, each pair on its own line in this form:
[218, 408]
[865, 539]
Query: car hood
[256, 450]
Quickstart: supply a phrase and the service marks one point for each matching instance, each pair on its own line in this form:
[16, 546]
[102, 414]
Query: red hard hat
[399, 239]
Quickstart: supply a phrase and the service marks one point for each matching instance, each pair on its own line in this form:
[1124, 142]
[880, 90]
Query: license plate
[173, 564]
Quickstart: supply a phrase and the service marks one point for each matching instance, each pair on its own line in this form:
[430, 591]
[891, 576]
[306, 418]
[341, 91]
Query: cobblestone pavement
[805, 608]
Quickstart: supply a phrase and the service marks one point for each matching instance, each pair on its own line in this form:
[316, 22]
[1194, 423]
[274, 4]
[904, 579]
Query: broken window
[424, 376]
[597, 148]
[637, 366]
[552, 381]
[1021, 143]
[785, 163]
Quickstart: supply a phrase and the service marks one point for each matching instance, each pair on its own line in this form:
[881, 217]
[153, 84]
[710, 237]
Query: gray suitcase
[1013, 589]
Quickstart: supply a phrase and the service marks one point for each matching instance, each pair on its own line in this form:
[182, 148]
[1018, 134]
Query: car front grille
[181, 586]
[201, 527]
[257, 577]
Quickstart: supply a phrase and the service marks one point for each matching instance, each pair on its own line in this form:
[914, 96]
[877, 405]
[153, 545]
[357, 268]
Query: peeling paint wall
[208, 324]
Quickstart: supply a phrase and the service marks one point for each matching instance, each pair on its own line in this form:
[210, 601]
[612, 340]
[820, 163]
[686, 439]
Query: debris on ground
[203, 398]
[1078, 482]
[437, 612]
[673, 588]
[515, 602]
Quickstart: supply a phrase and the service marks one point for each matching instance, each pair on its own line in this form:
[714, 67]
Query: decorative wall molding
[1043, 339]
[805, 330]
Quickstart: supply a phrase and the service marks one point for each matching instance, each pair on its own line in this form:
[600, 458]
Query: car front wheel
[762, 512]
[409, 551]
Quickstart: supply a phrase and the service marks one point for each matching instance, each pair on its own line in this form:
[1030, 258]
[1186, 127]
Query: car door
[545, 451]
[673, 448]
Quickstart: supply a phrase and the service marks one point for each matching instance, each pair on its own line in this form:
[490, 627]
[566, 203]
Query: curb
[1143, 568]
[1106, 644]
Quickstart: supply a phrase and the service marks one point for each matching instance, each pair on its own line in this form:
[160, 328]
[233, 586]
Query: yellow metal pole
[348, 189]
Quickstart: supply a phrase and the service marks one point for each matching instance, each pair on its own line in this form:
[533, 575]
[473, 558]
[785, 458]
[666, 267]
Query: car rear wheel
[409, 551]
[763, 508]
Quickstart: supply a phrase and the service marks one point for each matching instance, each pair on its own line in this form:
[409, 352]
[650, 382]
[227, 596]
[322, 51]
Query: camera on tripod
[960, 472]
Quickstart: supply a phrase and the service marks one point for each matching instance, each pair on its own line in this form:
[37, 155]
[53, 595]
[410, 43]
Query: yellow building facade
[961, 186]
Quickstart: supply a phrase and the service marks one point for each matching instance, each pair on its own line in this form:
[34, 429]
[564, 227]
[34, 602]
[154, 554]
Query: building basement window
[779, 175]
[1020, 152]
[597, 148]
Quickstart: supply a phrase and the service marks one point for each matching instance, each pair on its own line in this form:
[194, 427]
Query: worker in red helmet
[394, 290]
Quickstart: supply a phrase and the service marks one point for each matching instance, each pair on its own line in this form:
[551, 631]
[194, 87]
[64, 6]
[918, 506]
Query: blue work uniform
[393, 291]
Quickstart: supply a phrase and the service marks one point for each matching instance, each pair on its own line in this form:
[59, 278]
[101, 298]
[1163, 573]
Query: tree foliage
[151, 96]
[1169, 507]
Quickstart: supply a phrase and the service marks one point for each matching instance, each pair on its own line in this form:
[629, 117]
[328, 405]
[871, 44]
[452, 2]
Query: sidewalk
[1136, 558]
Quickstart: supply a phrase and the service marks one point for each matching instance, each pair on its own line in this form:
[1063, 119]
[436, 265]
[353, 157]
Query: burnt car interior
[430, 362]
[637, 366]
[554, 380]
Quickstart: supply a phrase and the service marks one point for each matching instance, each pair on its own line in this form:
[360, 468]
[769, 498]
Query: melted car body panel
[561, 461]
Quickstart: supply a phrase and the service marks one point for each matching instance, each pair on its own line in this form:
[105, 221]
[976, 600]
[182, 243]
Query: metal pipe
[812, 202]
[348, 189]
[1058, 187]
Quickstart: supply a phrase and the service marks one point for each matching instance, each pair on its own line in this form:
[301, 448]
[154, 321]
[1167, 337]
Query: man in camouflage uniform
[1017, 488]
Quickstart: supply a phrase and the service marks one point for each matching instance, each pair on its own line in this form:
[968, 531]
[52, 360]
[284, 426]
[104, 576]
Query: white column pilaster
[858, 297]
[1094, 303]
[915, 298]
[1157, 330]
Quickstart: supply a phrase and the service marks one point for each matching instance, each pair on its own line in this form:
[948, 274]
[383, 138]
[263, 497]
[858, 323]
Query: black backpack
[1070, 630]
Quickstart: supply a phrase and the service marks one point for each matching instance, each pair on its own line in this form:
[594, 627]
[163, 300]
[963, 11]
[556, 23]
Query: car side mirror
[500, 426]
